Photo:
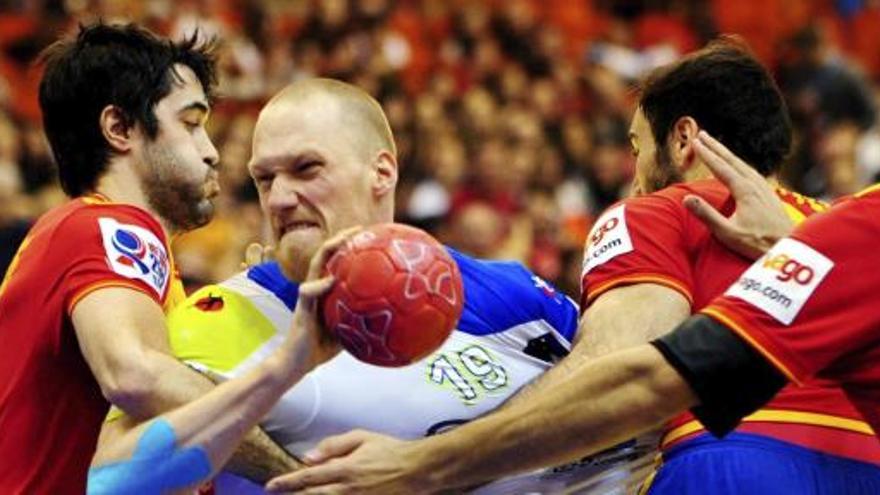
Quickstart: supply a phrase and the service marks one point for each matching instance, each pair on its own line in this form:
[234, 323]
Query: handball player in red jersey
[649, 263]
[81, 306]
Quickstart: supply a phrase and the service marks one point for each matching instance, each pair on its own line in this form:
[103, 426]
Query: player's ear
[384, 173]
[681, 141]
[115, 128]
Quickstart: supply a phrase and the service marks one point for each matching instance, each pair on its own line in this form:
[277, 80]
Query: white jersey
[513, 327]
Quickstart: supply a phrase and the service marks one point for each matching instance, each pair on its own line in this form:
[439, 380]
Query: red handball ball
[397, 297]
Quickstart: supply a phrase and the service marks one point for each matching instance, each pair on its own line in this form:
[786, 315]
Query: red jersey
[809, 305]
[51, 407]
[655, 239]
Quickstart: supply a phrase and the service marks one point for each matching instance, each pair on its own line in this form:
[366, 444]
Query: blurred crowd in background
[510, 116]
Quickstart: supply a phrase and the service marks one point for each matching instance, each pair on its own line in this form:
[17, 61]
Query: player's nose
[210, 155]
[283, 194]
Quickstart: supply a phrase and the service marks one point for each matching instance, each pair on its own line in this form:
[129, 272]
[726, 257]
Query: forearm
[258, 457]
[604, 402]
[550, 379]
[221, 418]
[624, 317]
[127, 354]
[173, 385]
[204, 433]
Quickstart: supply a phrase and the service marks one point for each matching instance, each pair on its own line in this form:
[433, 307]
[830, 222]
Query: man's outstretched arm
[115, 328]
[185, 446]
[621, 318]
[629, 392]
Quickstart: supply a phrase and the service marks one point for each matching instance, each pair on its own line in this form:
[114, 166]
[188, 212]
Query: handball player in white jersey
[324, 160]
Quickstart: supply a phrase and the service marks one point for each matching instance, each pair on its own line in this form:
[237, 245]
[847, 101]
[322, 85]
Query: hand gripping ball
[397, 297]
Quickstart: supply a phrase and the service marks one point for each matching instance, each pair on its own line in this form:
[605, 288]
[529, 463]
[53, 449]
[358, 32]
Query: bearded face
[663, 174]
[654, 167]
[178, 167]
[177, 193]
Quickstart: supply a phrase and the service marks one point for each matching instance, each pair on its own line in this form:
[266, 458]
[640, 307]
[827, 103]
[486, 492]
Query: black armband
[730, 378]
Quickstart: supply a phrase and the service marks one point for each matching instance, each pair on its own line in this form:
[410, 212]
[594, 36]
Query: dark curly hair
[730, 95]
[125, 66]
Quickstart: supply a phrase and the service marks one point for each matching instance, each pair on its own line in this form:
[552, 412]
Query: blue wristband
[156, 466]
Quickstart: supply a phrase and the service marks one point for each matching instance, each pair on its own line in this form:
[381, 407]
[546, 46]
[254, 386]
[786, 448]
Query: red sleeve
[640, 240]
[111, 245]
[809, 302]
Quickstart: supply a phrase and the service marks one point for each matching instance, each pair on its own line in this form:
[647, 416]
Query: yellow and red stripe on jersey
[835, 429]
[638, 278]
[868, 190]
[835, 435]
[797, 206]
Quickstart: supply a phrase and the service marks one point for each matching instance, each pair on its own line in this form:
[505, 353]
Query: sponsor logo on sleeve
[782, 281]
[608, 239]
[136, 253]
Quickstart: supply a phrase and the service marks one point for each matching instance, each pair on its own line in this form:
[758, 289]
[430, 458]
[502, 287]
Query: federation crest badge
[135, 252]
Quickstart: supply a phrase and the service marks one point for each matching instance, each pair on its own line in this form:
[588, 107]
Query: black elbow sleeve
[730, 378]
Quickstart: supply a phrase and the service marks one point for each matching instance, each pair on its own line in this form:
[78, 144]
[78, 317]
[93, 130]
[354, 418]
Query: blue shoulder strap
[503, 294]
[269, 276]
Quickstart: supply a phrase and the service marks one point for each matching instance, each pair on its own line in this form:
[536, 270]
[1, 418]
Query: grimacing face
[313, 179]
[654, 167]
[179, 173]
